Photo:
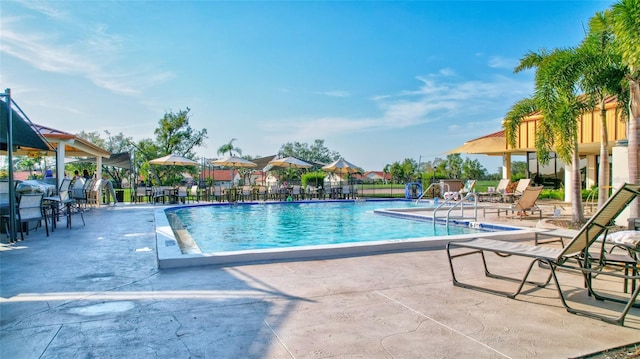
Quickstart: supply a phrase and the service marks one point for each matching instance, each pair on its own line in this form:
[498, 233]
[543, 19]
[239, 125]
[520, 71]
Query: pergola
[64, 144]
[29, 139]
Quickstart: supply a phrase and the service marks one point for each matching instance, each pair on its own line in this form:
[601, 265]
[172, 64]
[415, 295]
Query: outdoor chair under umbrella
[233, 162]
[286, 162]
[173, 160]
[341, 167]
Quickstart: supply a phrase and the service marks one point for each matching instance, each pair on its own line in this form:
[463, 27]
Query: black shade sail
[120, 160]
[23, 134]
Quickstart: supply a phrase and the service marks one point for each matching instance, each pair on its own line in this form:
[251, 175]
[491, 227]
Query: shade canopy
[120, 160]
[492, 144]
[342, 166]
[173, 160]
[23, 134]
[287, 162]
[233, 161]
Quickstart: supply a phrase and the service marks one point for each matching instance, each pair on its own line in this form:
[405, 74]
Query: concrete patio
[96, 292]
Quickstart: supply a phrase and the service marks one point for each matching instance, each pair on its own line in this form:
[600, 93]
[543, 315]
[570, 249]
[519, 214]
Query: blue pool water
[258, 226]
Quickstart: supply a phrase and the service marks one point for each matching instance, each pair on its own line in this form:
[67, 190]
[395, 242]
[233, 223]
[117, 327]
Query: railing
[471, 196]
[592, 197]
[442, 186]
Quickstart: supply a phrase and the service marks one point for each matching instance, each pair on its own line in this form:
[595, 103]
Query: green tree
[386, 170]
[80, 164]
[409, 169]
[556, 77]
[27, 164]
[316, 152]
[518, 170]
[472, 169]
[174, 135]
[603, 75]
[438, 164]
[453, 165]
[625, 25]
[114, 144]
[229, 148]
[397, 173]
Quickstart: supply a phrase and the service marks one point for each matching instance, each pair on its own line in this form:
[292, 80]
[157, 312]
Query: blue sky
[378, 81]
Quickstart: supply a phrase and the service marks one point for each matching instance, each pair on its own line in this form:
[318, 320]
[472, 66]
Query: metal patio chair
[574, 257]
[29, 210]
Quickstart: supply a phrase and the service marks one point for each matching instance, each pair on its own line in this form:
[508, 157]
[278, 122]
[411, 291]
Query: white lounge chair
[518, 191]
[469, 186]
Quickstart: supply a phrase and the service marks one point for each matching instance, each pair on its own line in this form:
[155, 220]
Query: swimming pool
[279, 225]
[175, 247]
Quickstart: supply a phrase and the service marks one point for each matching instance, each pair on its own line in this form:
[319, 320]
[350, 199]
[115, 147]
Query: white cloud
[335, 93]
[447, 72]
[452, 104]
[498, 62]
[70, 48]
[46, 8]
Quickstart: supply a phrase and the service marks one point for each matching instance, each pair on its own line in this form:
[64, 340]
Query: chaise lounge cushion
[625, 238]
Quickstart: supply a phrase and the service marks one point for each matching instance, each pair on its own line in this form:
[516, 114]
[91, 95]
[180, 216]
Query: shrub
[553, 194]
[313, 179]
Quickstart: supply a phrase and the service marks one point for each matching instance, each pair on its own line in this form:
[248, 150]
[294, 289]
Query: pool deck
[96, 291]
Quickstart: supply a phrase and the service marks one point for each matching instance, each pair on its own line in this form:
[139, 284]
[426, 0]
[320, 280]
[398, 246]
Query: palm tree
[229, 148]
[385, 171]
[602, 77]
[555, 96]
[625, 23]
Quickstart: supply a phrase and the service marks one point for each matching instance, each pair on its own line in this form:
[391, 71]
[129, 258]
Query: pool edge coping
[169, 255]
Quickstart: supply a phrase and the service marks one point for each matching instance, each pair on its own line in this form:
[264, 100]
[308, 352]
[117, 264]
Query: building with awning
[492, 144]
[557, 173]
[64, 144]
[30, 139]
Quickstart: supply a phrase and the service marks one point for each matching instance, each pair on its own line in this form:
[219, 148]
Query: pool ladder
[469, 197]
[442, 186]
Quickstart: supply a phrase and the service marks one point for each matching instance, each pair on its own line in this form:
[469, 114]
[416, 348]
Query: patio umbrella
[173, 160]
[287, 162]
[342, 167]
[233, 162]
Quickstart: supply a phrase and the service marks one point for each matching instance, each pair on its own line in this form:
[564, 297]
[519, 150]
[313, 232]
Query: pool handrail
[452, 204]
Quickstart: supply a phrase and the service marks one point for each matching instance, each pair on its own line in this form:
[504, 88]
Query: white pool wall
[169, 254]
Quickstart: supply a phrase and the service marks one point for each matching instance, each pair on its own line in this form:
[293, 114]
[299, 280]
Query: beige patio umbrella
[287, 162]
[492, 144]
[173, 160]
[341, 166]
[233, 162]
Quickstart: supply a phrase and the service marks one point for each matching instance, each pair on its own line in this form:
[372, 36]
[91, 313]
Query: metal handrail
[455, 204]
[591, 196]
[461, 202]
[442, 186]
